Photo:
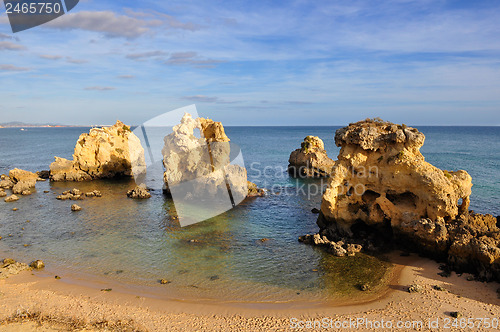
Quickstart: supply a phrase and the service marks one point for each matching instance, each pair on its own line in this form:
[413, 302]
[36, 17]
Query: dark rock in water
[215, 277]
[139, 192]
[57, 277]
[264, 240]
[164, 281]
[75, 207]
[43, 174]
[38, 264]
[315, 210]
[106, 290]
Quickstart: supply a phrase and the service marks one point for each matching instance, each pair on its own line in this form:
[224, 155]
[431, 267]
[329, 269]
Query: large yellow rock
[102, 153]
[381, 177]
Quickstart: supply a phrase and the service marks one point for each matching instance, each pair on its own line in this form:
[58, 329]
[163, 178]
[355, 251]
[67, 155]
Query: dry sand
[29, 302]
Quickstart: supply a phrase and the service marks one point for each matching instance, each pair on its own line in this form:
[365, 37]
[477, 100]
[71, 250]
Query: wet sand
[43, 303]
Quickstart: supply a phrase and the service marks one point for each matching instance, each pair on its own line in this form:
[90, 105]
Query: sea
[132, 244]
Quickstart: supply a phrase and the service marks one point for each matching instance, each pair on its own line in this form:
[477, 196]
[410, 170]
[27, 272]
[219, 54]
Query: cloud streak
[99, 88]
[13, 68]
[10, 46]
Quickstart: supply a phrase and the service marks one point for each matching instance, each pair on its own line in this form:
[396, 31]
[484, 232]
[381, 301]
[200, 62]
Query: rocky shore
[383, 193]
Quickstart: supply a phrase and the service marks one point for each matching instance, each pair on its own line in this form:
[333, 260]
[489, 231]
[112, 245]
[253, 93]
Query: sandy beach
[33, 302]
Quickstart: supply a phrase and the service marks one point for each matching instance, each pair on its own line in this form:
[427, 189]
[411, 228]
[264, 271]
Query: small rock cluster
[339, 248]
[75, 194]
[11, 267]
[139, 192]
[21, 182]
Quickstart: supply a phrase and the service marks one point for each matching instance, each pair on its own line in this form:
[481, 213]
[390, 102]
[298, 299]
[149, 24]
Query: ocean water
[136, 242]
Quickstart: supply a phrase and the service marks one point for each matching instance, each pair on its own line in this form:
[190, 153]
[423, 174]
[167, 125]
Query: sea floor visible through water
[135, 243]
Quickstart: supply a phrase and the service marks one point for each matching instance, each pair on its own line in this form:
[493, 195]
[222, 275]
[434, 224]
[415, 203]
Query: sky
[257, 62]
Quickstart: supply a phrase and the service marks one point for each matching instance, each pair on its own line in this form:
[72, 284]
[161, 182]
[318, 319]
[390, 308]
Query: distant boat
[22, 129]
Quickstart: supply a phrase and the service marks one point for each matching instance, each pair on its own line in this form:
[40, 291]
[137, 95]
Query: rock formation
[23, 181]
[382, 178]
[382, 190]
[254, 191]
[102, 153]
[140, 192]
[310, 160]
[202, 165]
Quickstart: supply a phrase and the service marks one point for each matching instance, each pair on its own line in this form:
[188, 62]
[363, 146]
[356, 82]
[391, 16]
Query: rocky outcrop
[201, 166]
[311, 160]
[382, 192]
[106, 152]
[254, 191]
[140, 192]
[382, 178]
[22, 181]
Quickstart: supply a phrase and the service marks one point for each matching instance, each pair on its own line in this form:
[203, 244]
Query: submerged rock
[102, 153]
[75, 194]
[11, 198]
[139, 191]
[383, 192]
[95, 193]
[311, 160]
[338, 248]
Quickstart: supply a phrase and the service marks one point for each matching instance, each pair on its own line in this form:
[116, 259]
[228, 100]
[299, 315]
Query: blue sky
[257, 62]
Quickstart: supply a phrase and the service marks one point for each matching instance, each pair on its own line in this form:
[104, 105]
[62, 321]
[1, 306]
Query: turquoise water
[136, 242]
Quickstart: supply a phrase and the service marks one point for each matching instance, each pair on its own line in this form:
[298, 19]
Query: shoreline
[67, 302]
[87, 280]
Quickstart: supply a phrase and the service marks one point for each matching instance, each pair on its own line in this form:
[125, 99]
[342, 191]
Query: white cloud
[109, 23]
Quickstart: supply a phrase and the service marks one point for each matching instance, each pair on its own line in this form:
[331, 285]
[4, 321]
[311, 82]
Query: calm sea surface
[136, 242]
